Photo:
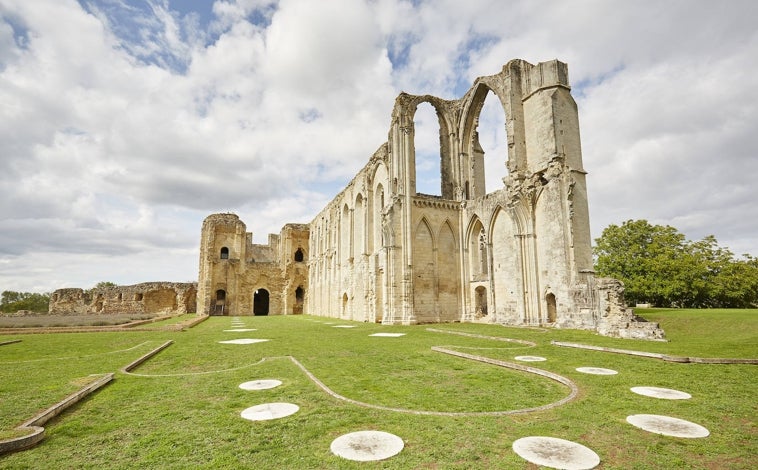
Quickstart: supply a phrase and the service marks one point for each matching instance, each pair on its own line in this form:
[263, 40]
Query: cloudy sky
[124, 123]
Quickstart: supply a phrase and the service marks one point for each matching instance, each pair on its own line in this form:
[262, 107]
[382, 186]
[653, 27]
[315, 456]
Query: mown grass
[192, 421]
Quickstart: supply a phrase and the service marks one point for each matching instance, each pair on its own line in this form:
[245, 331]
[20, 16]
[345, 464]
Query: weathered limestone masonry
[148, 297]
[239, 278]
[382, 252]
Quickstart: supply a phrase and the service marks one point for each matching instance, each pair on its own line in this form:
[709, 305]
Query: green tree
[105, 284]
[658, 265]
[11, 301]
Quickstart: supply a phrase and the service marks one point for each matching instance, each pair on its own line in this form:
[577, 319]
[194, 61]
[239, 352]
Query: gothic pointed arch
[448, 269]
[424, 273]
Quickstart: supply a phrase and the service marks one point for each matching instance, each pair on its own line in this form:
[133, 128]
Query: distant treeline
[12, 302]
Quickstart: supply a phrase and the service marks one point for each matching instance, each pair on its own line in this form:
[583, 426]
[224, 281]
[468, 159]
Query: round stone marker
[260, 384]
[596, 371]
[658, 392]
[530, 358]
[555, 453]
[243, 341]
[667, 426]
[239, 330]
[388, 335]
[364, 446]
[268, 411]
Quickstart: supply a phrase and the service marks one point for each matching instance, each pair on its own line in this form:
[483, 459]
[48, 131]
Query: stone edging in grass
[3, 343]
[35, 424]
[533, 370]
[474, 335]
[663, 357]
[134, 364]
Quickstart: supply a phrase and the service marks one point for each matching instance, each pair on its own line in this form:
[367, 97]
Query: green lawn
[183, 410]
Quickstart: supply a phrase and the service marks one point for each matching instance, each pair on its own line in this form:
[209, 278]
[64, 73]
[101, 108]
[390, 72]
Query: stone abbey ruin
[380, 251]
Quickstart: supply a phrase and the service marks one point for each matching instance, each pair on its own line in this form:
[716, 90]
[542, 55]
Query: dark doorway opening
[551, 308]
[219, 306]
[260, 302]
[299, 300]
[481, 301]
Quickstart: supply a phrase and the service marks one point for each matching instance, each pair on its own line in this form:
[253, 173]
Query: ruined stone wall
[237, 277]
[382, 252]
[145, 298]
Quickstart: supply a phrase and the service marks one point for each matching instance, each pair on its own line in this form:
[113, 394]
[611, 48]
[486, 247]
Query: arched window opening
[482, 253]
[494, 142]
[481, 301]
[478, 252]
[377, 216]
[224, 253]
[551, 307]
[138, 297]
[346, 235]
[260, 302]
[426, 143]
[358, 230]
[299, 255]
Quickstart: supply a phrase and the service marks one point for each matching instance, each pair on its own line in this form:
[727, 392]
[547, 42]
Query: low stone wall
[148, 297]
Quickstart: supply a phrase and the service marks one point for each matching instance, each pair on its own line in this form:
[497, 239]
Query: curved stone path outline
[367, 446]
[556, 453]
[663, 357]
[533, 370]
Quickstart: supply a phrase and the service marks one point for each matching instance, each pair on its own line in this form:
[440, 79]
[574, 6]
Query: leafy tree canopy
[11, 301]
[659, 266]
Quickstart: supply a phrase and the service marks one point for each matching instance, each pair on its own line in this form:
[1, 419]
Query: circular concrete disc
[343, 326]
[364, 446]
[260, 384]
[658, 392]
[596, 371]
[667, 426]
[389, 335]
[530, 358]
[555, 453]
[243, 341]
[239, 330]
[268, 411]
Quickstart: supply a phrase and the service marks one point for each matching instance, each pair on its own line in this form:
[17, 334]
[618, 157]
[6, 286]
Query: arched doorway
[299, 299]
[481, 301]
[220, 305]
[551, 309]
[260, 302]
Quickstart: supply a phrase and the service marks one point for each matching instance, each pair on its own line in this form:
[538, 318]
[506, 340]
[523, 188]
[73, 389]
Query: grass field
[182, 409]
